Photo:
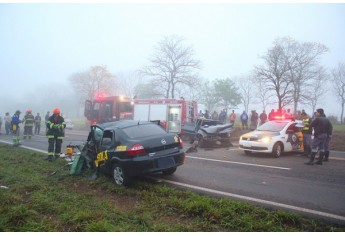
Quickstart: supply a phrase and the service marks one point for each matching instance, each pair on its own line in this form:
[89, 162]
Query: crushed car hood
[217, 129]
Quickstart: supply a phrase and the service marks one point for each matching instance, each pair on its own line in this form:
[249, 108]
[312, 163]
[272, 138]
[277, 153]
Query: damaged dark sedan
[128, 148]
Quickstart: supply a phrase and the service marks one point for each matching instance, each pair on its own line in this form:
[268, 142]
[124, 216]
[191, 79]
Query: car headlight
[265, 139]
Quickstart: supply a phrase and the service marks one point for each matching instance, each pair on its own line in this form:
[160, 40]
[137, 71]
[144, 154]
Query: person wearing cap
[322, 130]
[56, 131]
[28, 124]
[15, 128]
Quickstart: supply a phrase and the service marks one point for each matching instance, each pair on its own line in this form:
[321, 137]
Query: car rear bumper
[144, 165]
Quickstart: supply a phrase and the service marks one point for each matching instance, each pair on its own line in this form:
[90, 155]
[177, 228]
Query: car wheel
[169, 171]
[247, 152]
[119, 175]
[277, 150]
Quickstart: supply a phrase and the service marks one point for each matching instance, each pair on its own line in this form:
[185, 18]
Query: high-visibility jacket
[56, 127]
[306, 126]
[29, 120]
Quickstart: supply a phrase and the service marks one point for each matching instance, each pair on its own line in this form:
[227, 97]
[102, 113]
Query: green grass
[339, 128]
[37, 201]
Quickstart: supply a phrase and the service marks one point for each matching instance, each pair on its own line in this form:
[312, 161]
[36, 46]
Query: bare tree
[316, 90]
[97, 80]
[127, 83]
[338, 81]
[274, 74]
[303, 64]
[263, 94]
[172, 65]
[246, 90]
[208, 96]
[289, 67]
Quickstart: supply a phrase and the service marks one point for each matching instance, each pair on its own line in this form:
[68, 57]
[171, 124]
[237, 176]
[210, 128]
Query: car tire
[119, 175]
[247, 152]
[169, 171]
[277, 150]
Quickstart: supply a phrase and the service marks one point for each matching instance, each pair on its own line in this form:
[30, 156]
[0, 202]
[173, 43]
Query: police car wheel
[277, 150]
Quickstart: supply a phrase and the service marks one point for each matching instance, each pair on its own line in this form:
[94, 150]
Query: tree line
[290, 75]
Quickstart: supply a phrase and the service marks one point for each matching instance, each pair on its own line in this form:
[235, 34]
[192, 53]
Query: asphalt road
[278, 183]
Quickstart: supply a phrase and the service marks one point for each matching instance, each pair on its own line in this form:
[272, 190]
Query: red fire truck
[171, 113]
[105, 109]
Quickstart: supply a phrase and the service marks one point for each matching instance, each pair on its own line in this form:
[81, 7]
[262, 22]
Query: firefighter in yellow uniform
[28, 124]
[56, 132]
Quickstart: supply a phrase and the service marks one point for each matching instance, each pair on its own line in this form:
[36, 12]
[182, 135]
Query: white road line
[23, 146]
[276, 204]
[240, 163]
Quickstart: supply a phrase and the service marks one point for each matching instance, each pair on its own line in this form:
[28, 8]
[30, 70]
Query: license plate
[165, 162]
[247, 145]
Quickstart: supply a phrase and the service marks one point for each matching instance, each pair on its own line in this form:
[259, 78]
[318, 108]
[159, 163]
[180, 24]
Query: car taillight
[180, 144]
[135, 150]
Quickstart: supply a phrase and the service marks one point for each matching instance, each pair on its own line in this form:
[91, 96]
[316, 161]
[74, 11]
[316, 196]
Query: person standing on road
[244, 120]
[232, 118]
[254, 120]
[46, 118]
[8, 120]
[37, 123]
[56, 132]
[263, 117]
[322, 129]
[15, 128]
[28, 124]
[328, 140]
[307, 132]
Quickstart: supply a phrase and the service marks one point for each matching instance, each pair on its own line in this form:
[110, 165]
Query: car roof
[121, 124]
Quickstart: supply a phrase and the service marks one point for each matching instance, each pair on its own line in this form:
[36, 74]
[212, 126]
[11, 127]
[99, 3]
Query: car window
[98, 133]
[107, 139]
[145, 130]
[273, 126]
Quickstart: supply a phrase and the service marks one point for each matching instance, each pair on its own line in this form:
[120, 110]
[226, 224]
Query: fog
[42, 45]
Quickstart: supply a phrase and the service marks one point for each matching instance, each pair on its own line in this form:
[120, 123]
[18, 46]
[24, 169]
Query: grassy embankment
[32, 199]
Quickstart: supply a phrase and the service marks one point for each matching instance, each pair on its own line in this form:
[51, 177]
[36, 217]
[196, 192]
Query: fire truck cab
[106, 109]
[170, 113]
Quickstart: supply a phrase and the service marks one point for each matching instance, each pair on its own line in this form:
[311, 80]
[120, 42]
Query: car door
[294, 140]
[106, 143]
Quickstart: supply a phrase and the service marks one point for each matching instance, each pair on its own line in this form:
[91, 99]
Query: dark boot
[49, 158]
[319, 161]
[311, 160]
[326, 156]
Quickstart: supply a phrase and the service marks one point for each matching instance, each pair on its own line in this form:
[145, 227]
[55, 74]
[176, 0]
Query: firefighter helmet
[29, 110]
[56, 111]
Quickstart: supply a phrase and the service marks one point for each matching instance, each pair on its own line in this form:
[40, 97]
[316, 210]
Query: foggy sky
[41, 45]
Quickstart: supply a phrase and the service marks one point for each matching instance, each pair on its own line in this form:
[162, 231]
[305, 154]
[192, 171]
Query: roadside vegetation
[35, 198]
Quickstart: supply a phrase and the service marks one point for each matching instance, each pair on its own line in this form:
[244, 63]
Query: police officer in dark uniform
[322, 129]
[56, 132]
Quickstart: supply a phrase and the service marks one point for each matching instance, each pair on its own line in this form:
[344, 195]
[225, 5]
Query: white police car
[274, 137]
